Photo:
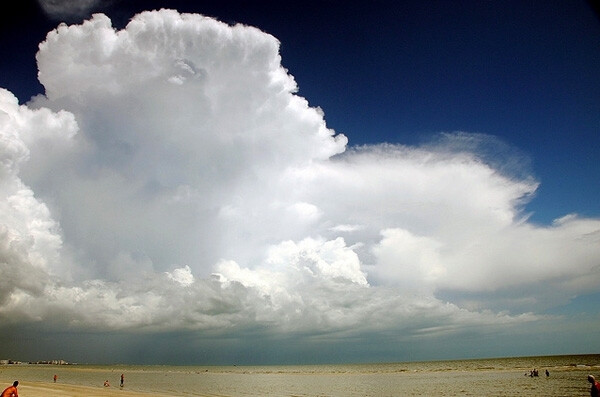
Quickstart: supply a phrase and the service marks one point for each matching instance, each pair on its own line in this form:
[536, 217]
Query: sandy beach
[41, 389]
[506, 377]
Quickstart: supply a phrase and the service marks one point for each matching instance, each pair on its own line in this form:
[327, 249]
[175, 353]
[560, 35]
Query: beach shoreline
[567, 376]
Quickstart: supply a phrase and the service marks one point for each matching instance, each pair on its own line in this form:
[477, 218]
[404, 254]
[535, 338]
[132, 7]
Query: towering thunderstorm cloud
[171, 179]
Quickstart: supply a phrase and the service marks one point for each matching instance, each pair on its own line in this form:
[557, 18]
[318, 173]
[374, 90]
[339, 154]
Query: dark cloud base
[190, 348]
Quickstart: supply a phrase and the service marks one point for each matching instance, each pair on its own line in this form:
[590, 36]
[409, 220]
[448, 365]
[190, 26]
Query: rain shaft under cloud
[171, 180]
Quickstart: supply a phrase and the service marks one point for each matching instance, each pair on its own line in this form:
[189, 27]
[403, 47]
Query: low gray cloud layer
[171, 180]
[68, 9]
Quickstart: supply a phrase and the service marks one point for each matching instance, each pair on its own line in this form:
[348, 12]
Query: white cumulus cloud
[172, 178]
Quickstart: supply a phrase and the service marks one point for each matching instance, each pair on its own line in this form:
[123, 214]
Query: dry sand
[41, 389]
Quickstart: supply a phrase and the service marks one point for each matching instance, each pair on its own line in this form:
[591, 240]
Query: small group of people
[107, 384]
[535, 372]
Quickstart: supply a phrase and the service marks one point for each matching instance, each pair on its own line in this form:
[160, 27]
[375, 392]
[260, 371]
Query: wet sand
[41, 389]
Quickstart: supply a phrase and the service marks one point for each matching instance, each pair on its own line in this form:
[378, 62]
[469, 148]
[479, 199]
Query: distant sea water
[481, 377]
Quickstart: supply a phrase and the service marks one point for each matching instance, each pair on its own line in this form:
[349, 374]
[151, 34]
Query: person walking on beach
[122, 380]
[594, 390]
[55, 378]
[11, 391]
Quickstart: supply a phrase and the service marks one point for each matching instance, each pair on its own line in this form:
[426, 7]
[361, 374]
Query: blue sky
[319, 183]
[401, 72]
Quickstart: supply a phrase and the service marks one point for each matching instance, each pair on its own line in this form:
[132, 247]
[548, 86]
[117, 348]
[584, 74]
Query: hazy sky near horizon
[257, 182]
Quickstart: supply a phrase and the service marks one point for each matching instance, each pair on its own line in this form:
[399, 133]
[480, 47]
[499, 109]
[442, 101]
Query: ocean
[480, 377]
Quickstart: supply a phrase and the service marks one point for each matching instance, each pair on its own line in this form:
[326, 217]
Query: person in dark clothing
[595, 389]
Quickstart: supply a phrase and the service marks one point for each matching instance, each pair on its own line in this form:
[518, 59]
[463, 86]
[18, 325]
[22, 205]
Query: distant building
[5, 362]
[43, 362]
